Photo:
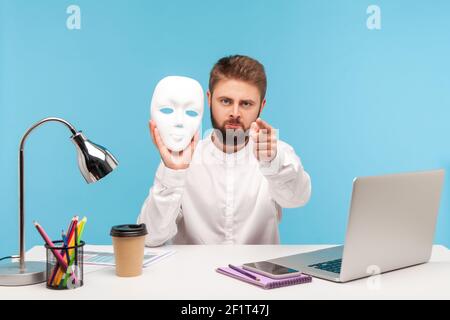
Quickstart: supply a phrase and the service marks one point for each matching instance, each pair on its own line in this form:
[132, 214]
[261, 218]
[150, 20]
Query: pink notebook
[265, 282]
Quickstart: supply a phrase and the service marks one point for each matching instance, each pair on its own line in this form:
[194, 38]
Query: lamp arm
[39, 123]
[22, 183]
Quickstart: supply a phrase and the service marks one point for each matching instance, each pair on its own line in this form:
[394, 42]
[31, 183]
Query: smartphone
[271, 270]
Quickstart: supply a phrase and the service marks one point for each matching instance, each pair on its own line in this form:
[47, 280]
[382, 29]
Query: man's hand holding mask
[176, 112]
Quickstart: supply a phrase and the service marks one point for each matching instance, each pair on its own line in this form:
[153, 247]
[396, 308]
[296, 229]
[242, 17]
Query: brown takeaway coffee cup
[129, 243]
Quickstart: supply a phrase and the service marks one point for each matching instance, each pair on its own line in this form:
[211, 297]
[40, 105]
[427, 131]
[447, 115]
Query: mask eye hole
[192, 113]
[166, 110]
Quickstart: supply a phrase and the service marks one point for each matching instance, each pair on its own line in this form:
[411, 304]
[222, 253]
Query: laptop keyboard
[333, 266]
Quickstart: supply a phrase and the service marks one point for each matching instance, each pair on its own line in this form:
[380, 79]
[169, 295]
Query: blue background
[351, 101]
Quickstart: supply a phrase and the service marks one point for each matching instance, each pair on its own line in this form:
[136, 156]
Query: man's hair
[242, 68]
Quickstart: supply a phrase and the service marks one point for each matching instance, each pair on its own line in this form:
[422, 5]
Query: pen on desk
[243, 272]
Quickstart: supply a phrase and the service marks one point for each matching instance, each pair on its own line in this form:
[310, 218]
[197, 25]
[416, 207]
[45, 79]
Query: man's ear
[209, 95]
[263, 104]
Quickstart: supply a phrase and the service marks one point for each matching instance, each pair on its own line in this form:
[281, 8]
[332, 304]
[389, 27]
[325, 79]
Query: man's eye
[246, 104]
[225, 101]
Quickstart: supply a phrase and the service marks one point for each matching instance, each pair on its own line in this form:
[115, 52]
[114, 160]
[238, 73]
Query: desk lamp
[94, 161]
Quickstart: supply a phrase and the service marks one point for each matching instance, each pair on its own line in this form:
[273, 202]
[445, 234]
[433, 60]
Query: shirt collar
[228, 157]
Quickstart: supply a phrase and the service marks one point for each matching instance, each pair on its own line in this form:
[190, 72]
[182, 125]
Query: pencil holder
[64, 266]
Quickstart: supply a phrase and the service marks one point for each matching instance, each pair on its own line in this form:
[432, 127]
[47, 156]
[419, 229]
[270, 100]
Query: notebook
[265, 282]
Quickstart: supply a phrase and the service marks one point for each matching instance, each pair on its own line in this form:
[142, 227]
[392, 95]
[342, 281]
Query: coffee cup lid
[129, 230]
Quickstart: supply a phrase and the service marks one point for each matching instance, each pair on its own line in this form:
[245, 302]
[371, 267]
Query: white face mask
[177, 109]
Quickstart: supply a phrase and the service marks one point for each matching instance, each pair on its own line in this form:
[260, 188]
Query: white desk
[190, 274]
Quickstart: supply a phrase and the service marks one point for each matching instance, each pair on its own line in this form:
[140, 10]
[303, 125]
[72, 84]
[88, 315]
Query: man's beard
[230, 137]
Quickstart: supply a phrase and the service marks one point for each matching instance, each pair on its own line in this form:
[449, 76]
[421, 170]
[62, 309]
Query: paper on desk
[106, 258]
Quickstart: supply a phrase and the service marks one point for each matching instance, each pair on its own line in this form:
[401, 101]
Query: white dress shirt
[224, 198]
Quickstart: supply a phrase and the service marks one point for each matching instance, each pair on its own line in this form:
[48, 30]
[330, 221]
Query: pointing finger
[254, 131]
[263, 125]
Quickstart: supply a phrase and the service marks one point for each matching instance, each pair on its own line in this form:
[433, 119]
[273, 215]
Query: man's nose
[236, 111]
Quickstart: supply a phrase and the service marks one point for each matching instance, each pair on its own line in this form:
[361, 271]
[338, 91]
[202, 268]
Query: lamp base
[11, 275]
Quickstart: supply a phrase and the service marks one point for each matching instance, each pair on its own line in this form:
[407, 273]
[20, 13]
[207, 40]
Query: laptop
[391, 226]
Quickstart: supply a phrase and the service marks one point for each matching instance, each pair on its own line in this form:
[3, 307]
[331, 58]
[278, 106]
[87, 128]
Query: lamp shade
[94, 161]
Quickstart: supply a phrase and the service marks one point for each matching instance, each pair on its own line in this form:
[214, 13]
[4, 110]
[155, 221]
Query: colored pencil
[51, 245]
[73, 258]
[71, 243]
[56, 268]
